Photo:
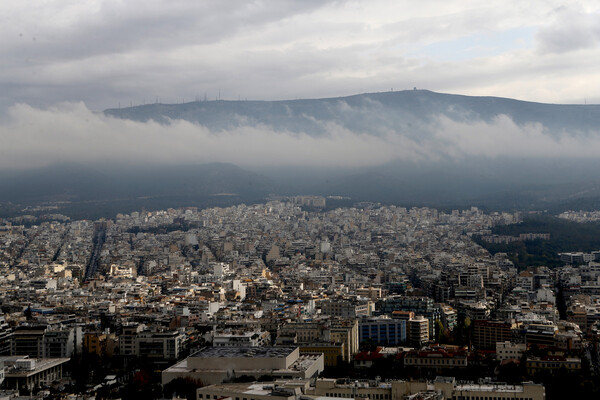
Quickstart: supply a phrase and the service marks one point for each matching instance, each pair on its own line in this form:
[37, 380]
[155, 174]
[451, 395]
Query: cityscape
[299, 200]
[286, 299]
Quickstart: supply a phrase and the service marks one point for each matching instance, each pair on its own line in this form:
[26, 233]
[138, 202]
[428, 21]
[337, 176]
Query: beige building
[447, 386]
[435, 359]
[346, 309]
[305, 332]
[346, 332]
[508, 350]
[326, 332]
[418, 330]
[331, 351]
[252, 391]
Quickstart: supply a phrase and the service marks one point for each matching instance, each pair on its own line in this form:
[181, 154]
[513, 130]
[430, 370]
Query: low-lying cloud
[70, 132]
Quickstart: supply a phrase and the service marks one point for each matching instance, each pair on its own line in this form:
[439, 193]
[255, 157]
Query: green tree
[182, 387]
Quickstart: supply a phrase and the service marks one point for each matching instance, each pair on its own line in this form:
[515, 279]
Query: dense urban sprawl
[287, 291]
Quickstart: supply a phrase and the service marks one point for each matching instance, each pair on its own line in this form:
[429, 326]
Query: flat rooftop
[303, 362]
[235, 352]
[490, 388]
[41, 364]
[263, 389]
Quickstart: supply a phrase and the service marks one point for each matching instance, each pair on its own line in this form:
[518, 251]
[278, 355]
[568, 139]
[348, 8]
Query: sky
[63, 62]
[114, 52]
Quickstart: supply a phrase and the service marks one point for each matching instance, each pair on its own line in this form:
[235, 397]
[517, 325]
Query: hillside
[371, 113]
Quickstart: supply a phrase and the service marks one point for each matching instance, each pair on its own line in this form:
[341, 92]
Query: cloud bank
[70, 132]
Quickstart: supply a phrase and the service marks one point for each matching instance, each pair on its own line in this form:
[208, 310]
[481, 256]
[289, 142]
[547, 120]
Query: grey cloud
[572, 29]
[174, 51]
[117, 27]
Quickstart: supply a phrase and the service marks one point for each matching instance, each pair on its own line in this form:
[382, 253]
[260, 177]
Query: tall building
[5, 337]
[419, 305]
[59, 343]
[160, 345]
[346, 332]
[418, 330]
[487, 333]
[383, 330]
[28, 341]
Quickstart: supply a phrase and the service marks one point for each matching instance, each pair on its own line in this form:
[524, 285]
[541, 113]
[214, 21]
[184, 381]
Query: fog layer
[70, 132]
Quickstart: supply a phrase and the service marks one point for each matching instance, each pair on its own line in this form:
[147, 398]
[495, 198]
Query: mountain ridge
[361, 112]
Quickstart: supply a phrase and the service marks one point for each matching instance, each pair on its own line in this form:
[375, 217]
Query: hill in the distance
[372, 113]
[496, 166]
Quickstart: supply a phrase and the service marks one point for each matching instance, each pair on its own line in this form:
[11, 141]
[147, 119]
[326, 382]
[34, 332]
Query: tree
[368, 345]
[182, 387]
[28, 313]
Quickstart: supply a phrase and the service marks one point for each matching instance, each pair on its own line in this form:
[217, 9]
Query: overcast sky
[64, 61]
[112, 52]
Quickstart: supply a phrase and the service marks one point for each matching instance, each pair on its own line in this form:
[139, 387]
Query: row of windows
[374, 396]
[489, 398]
[214, 397]
[421, 361]
[553, 365]
[391, 327]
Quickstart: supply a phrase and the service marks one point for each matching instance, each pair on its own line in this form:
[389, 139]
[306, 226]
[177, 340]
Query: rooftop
[234, 352]
[41, 364]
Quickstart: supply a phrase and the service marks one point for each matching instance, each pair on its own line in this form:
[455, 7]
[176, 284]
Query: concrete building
[346, 332]
[234, 338]
[99, 343]
[332, 352]
[437, 359]
[447, 387]
[251, 391]
[28, 341]
[487, 333]
[419, 305]
[552, 363]
[449, 316]
[24, 373]
[61, 343]
[213, 365]
[160, 345]
[383, 331]
[5, 337]
[508, 350]
[127, 339]
[346, 308]
[418, 330]
[540, 334]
